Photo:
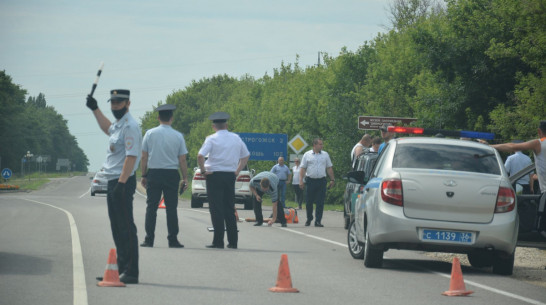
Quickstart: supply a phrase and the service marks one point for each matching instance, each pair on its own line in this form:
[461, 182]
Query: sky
[155, 48]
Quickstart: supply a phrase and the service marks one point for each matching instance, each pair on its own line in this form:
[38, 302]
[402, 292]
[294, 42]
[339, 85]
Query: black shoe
[232, 246]
[258, 224]
[128, 279]
[175, 244]
[308, 223]
[147, 244]
[99, 278]
[283, 225]
[215, 246]
[318, 224]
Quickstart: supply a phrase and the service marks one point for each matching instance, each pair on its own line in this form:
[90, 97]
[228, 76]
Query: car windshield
[445, 157]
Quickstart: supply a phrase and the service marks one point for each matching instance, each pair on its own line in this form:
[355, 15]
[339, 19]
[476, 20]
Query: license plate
[447, 236]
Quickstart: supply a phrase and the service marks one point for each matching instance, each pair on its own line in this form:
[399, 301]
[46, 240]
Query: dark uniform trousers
[123, 226]
[221, 196]
[258, 209]
[316, 193]
[162, 181]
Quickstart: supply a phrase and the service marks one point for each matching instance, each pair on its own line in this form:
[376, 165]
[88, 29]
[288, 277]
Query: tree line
[32, 125]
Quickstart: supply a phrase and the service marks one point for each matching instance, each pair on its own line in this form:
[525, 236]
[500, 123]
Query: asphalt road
[54, 242]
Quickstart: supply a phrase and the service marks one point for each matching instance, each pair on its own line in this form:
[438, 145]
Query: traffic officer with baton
[123, 155]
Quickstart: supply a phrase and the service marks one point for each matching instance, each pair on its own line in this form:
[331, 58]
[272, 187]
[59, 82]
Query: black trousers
[123, 227]
[162, 181]
[258, 209]
[221, 196]
[316, 193]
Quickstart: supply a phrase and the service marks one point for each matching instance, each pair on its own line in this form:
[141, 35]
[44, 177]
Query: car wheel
[355, 248]
[373, 257]
[92, 193]
[196, 203]
[480, 259]
[503, 263]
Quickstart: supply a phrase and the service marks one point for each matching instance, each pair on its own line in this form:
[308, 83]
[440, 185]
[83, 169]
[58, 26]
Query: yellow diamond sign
[297, 144]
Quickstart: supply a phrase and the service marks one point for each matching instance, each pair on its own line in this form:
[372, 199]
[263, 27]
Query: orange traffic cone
[284, 282]
[162, 203]
[456, 286]
[111, 275]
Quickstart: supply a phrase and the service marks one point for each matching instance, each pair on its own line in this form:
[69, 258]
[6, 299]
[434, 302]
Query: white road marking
[80, 287]
[89, 190]
[485, 287]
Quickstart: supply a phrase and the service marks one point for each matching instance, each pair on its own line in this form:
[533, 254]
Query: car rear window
[445, 157]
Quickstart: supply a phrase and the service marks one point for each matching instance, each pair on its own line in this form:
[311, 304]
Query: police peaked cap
[119, 95]
[166, 107]
[219, 117]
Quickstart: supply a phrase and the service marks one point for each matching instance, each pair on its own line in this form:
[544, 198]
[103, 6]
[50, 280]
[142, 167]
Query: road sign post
[375, 122]
[6, 173]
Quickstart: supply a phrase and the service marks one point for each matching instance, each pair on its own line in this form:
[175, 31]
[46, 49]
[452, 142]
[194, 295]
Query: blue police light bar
[447, 133]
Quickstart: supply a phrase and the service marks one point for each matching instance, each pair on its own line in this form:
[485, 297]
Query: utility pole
[318, 61]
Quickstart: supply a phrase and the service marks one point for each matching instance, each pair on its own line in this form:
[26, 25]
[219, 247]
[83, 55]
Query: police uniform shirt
[125, 140]
[164, 145]
[224, 150]
[273, 182]
[316, 164]
[516, 162]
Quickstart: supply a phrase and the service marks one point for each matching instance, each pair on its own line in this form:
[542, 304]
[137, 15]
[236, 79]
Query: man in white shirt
[314, 166]
[227, 156]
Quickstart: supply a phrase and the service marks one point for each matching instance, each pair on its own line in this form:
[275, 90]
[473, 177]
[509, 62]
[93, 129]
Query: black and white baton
[97, 79]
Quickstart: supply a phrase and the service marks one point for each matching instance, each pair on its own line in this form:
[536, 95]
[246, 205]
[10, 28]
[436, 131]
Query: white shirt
[296, 175]
[354, 149]
[224, 150]
[164, 145]
[316, 164]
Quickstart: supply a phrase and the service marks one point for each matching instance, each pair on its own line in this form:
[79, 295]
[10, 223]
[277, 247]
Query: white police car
[242, 189]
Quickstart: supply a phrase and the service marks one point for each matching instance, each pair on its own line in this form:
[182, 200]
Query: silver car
[439, 195]
[99, 184]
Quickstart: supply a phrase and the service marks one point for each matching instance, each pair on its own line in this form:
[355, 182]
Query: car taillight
[506, 200]
[391, 192]
[96, 181]
[198, 176]
[243, 178]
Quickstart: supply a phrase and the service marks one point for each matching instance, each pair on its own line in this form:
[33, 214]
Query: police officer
[227, 156]
[123, 155]
[163, 152]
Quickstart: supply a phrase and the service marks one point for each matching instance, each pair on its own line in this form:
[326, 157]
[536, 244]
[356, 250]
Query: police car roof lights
[445, 132]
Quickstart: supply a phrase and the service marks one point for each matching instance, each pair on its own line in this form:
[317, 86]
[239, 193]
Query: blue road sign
[265, 146]
[6, 173]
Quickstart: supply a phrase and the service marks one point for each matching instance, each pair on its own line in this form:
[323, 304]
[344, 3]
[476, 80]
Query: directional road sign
[374, 122]
[6, 173]
[265, 146]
